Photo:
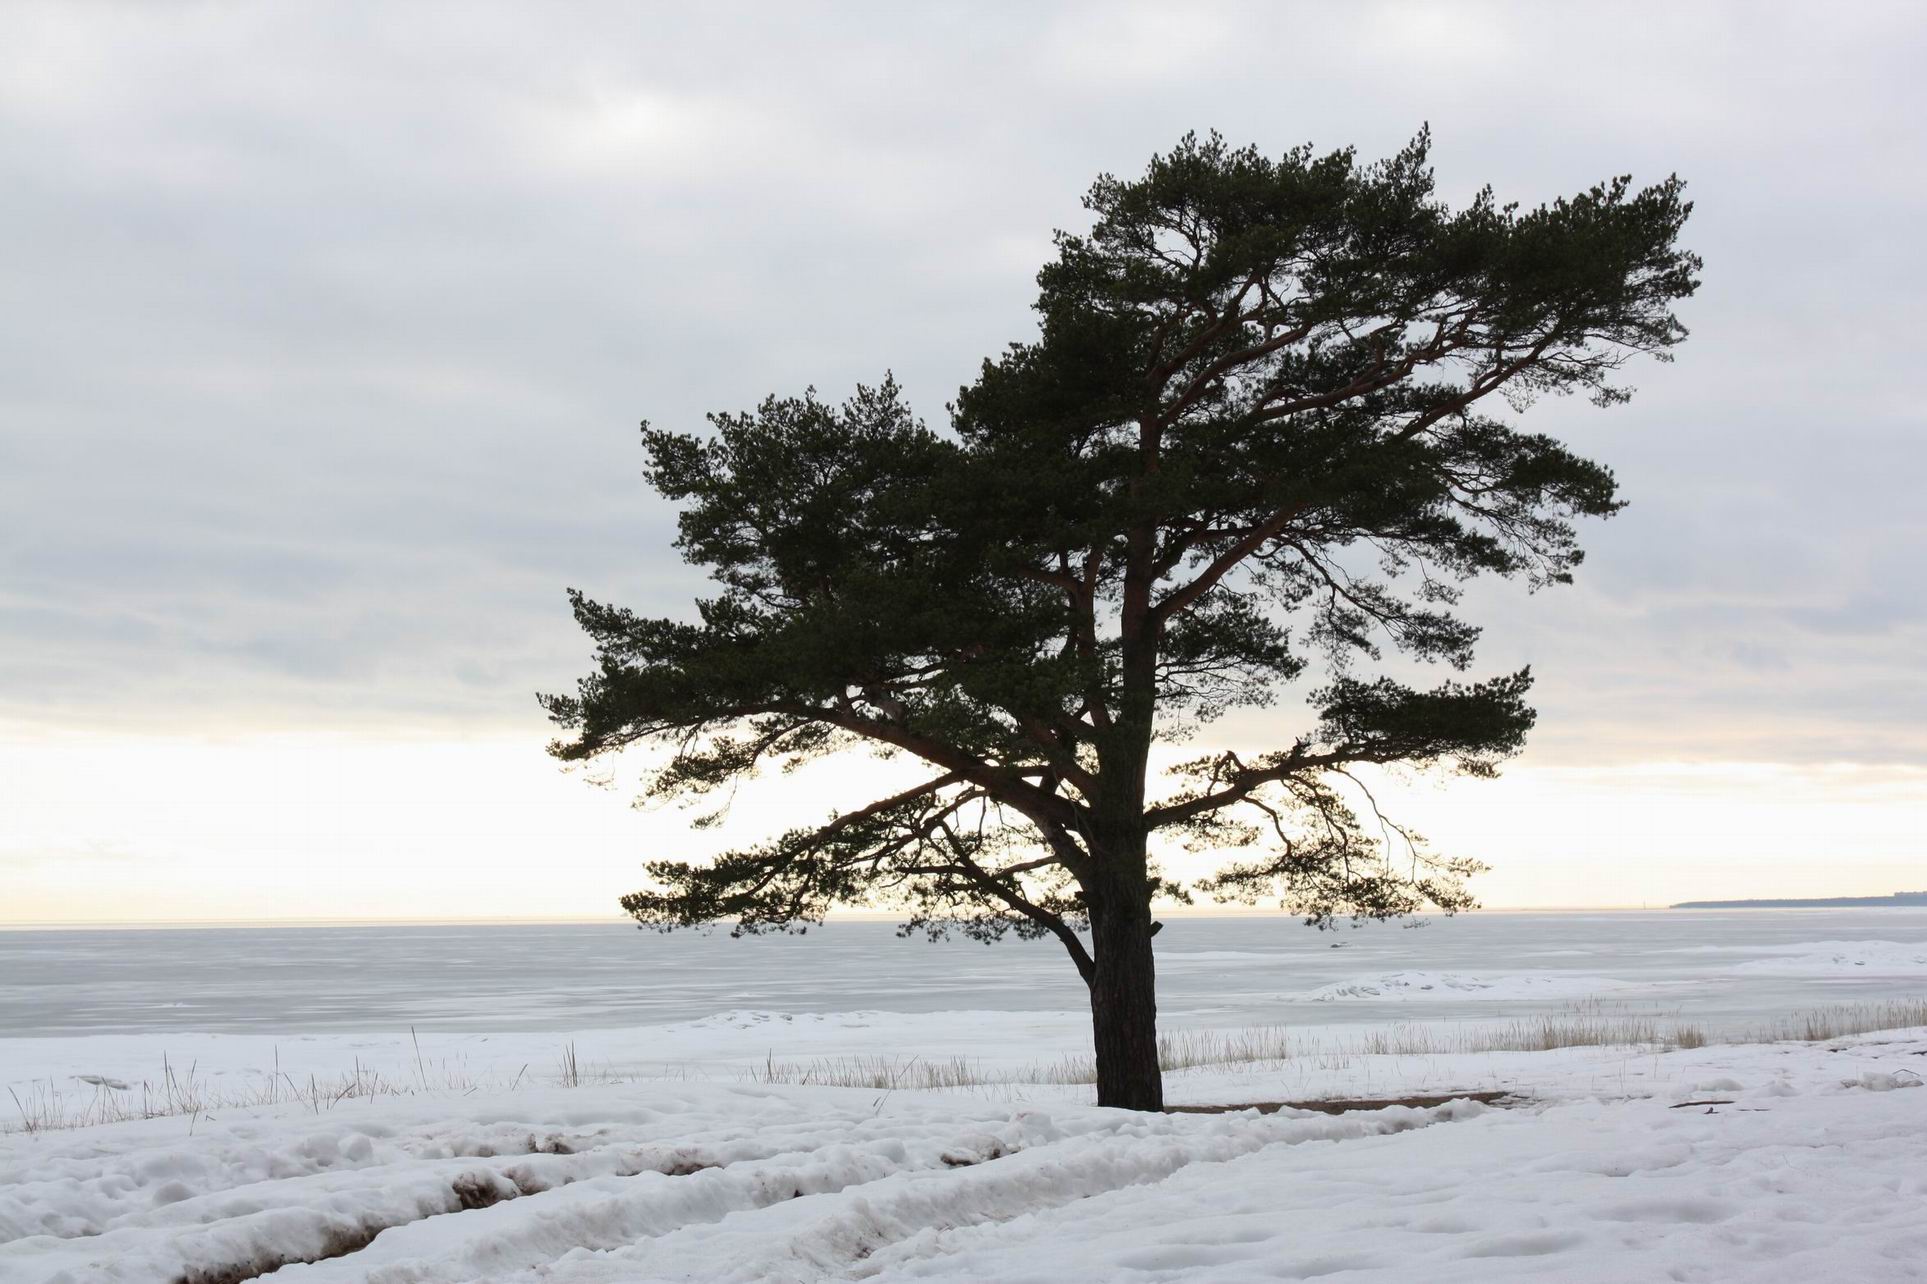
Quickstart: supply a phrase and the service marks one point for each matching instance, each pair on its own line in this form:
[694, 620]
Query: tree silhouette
[1255, 436]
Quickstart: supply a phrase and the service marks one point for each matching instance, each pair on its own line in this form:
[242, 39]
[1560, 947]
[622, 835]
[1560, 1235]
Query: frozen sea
[1721, 968]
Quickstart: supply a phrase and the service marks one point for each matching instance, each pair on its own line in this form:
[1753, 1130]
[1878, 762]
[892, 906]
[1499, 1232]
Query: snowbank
[1842, 958]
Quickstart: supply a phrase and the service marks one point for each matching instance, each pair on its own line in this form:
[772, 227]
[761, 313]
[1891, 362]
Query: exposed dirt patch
[553, 1144]
[971, 1158]
[481, 1190]
[339, 1241]
[1340, 1105]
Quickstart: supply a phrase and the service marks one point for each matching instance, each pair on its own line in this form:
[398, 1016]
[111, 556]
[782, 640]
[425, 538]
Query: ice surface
[1839, 958]
[1426, 986]
[1216, 971]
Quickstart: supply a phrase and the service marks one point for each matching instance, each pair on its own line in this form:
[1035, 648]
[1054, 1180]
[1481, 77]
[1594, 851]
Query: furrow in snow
[360, 1218]
[70, 1187]
[834, 1234]
[603, 1213]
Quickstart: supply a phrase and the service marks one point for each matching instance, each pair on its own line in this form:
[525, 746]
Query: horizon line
[32, 925]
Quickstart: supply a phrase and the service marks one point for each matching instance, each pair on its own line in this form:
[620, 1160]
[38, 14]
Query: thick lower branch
[984, 881]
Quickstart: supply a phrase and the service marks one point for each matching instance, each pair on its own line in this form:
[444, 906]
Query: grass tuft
[1844, 1019]
[885, 1072]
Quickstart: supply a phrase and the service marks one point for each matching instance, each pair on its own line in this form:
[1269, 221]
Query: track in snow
[822, 1178]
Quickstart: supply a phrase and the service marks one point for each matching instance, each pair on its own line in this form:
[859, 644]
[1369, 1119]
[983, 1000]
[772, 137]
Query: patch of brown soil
[1340, 1105]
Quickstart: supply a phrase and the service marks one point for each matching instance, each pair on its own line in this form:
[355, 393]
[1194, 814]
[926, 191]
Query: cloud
[330, 326]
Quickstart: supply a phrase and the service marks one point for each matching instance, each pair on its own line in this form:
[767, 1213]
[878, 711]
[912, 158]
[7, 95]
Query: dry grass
[177, 1092]
[1580, 1025]
[1180, 1050]
[1843, 1019]
[1188, 1048]
[49, 1105]
[883, 1072]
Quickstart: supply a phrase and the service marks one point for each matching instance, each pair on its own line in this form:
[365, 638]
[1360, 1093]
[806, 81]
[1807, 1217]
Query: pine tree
[1256, 435]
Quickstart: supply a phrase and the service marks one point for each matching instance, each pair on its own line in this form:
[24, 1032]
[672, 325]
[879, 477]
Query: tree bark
[1124, 1002]
[1124, 1005]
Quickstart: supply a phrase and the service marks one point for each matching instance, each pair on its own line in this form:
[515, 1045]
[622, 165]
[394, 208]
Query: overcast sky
[328, 326]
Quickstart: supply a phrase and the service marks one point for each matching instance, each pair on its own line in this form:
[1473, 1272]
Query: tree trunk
[1124, 1000]
[1124, 1006]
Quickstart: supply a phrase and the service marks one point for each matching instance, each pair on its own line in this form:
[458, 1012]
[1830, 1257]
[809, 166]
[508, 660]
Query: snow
[1818, 1183]
[1833, 958]
[1762, 1162]
[727, 1044]
[1407, 986]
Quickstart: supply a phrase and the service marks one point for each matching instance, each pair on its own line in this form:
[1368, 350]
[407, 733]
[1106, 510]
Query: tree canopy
[1262, 438]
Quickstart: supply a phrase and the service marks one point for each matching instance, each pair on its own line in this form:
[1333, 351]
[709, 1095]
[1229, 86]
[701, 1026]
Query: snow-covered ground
[1791, 1162]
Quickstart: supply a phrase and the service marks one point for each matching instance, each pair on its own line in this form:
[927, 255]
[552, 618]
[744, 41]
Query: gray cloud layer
[328, 325]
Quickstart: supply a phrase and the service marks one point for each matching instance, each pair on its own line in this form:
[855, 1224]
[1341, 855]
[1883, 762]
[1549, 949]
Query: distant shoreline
[1907, 899]
[1910, 900]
